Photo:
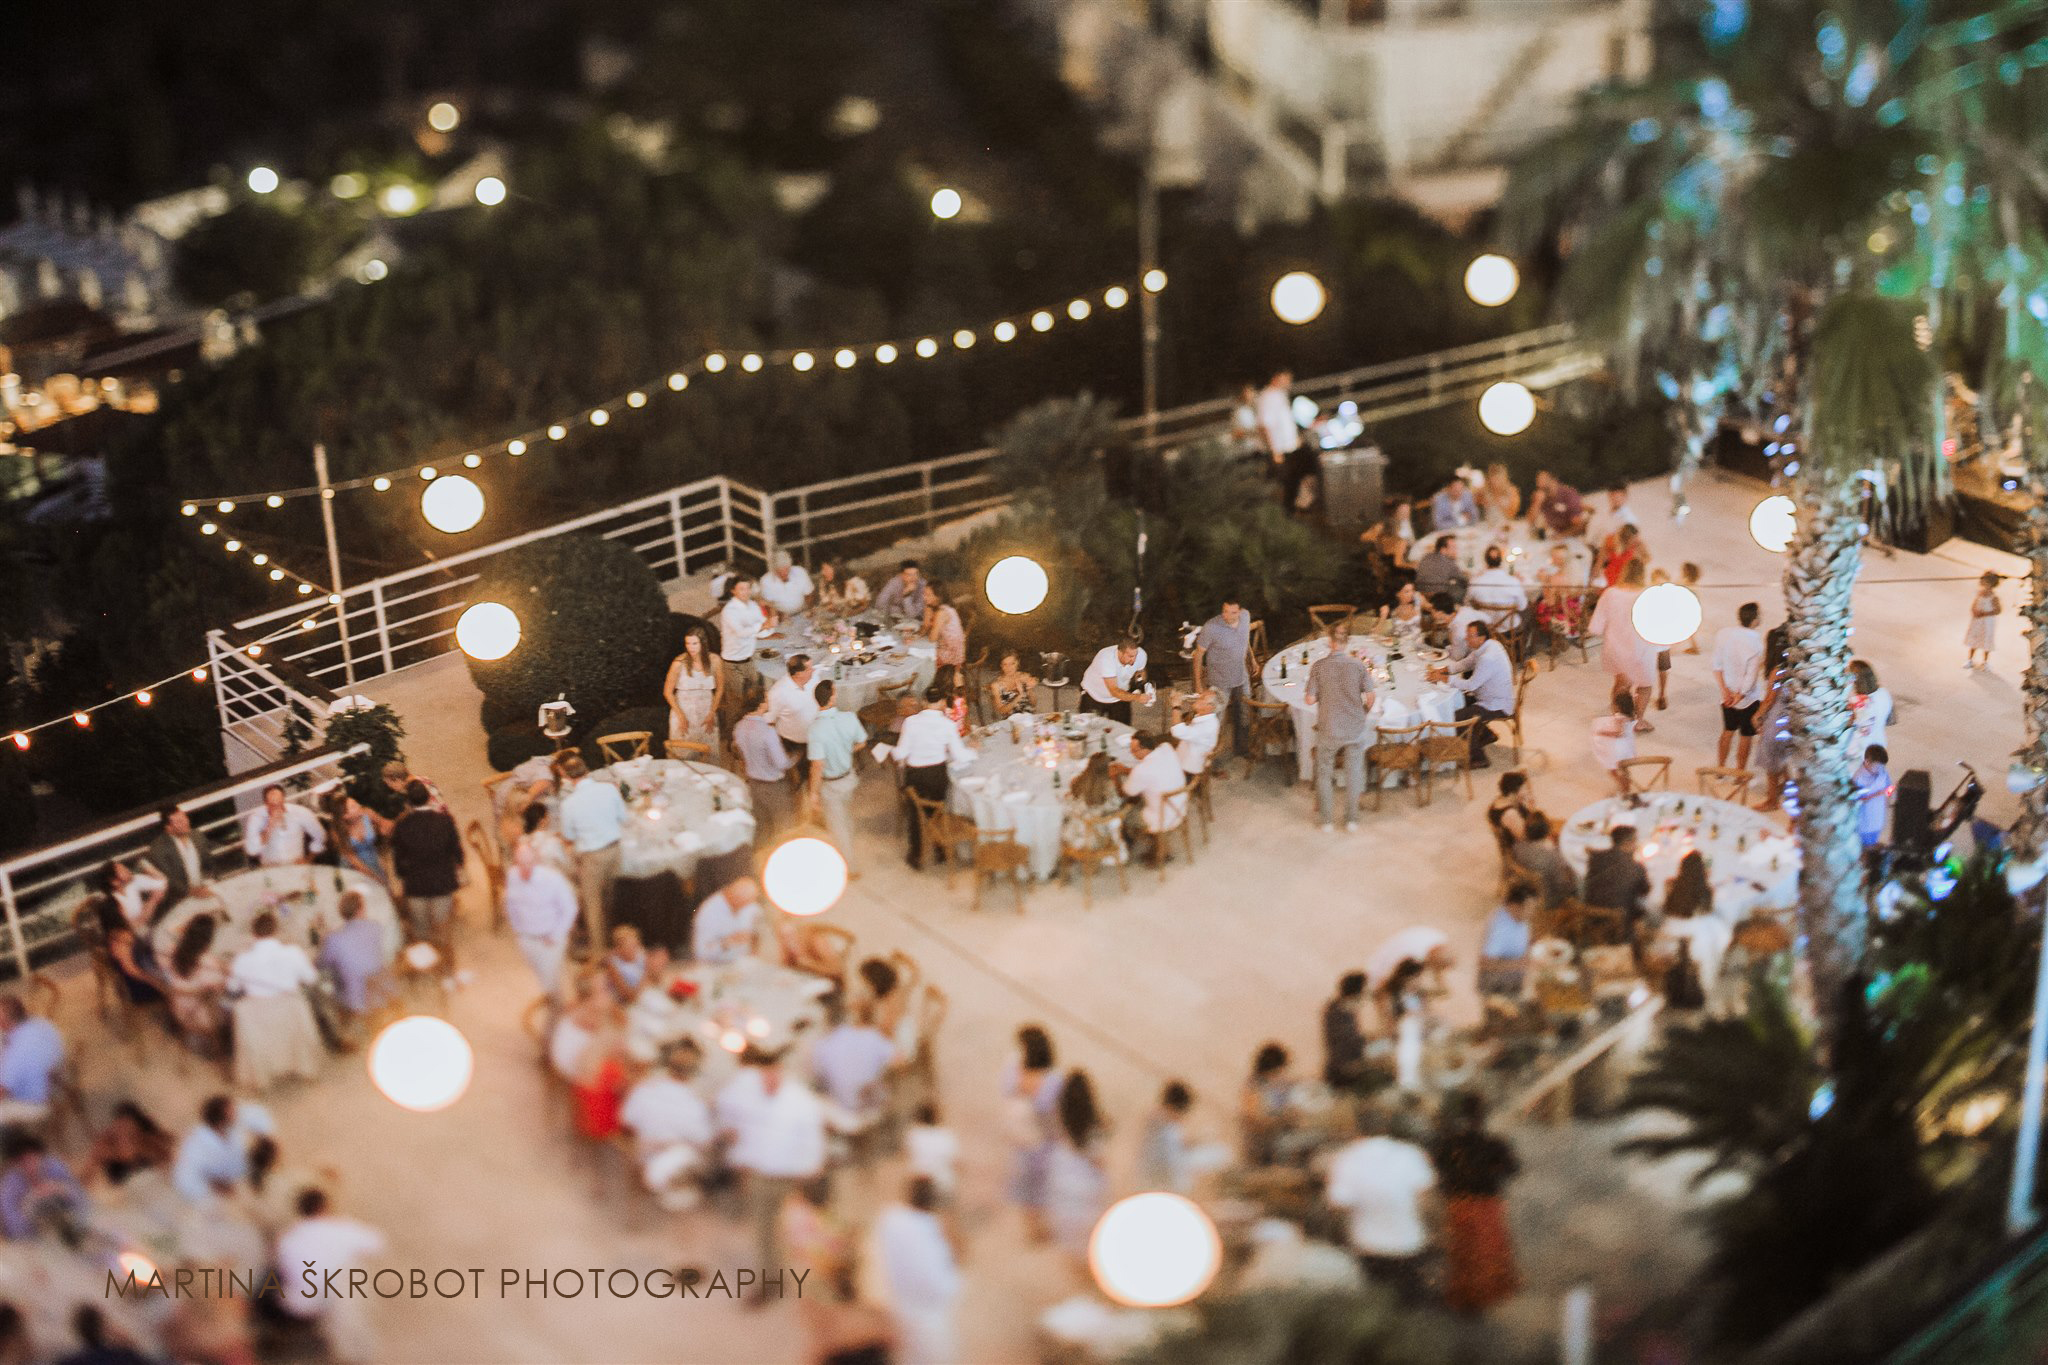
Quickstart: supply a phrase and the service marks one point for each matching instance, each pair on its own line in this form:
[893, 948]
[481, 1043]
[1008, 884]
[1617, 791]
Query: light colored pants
[595, 873]
[545, 957]
[766, 1195]
[835, 794]
[1328, 753]
[925, 1334]
[428, 916]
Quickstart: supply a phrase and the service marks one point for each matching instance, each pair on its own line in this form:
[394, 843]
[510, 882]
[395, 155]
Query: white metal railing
[41, 890]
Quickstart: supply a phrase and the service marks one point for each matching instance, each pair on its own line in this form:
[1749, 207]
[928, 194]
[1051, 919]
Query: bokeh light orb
[946, 204]
[1154, 1250]
[487, 631]
[452, 503]
[805, 876]
[443, 117]
[262, 179]
[1298, 297]
[1491, 280]
[1666, 614]
[1507, 408]
[1016, 584]
[1773, 522]
[490, 191]
[422, 1063]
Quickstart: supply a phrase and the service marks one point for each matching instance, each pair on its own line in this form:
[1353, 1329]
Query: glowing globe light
[844, 357]
[262, 179]
[946, 204]
[1016, 585]
[487, 631]
[1298, 297]
[927, 348]
[963, 339]
[1116, 296]
[490, 191]
[678, 381]
[802, 361]
[1005, 331]
[1154, 1250]
[1773, 522]
[598, 417]
[750, 362]
[1078, 309]
[713, 363]
[452, 503]
[1154, 281]
[805, 876]
[1507, 408]
[422, 1063]
[1491, 280]
[1041, 321]
[443, 117]
[398, 199]
[885, 354]
[1666, 614]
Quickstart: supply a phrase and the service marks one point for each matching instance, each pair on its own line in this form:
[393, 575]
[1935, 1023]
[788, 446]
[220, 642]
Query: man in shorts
[1739, 669]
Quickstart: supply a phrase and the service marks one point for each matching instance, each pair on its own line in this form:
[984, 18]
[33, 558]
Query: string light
[636, 399]
[1006, 330]
[1078, 309]
[845, 358]
[599, 417]
[750, 362]
[20, 740]
[963, 339]
[188, 509]
[885, 353]
[273, 501]
[144, 697]
[1154, 281]
[714, 363]
[472, 460]
[81, 720]
[511, 448]
[557, 432]
[927, 348]
[233, 546]
[208, 528]
[259, 558]
[381, 484]
[429, 473]
[677, 382]
[1041, 321]
[801, 361]
[1116, 296]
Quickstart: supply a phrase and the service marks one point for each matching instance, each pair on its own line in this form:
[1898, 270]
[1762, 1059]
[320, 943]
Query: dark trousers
[1482, 733]
[1115, 710]
[932, 783]
[1402, 1274]
[800, 757]
[1234, 705]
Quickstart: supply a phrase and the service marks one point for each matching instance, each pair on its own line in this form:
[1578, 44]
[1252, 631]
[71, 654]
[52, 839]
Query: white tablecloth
[1752, 864]
[1400, 701]
[304, 899]
[1009, 785]
[753, 1000]
[681, 812]
[1527, 558]
[860, 668]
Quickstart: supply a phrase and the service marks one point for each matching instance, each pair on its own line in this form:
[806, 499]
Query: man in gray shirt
[1222, 650]
[1340, 688]
[1439, 571]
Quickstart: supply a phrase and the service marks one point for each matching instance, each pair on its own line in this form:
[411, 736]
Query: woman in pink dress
[1630, 658]
[942, 627]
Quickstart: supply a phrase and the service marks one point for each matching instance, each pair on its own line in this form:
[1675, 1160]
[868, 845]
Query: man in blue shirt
[353, 954]
[29, 1059]
[216, 1153]
[834, 737]
[38, 1191]
[1504, 954]
[591, 817]
[1453, 507]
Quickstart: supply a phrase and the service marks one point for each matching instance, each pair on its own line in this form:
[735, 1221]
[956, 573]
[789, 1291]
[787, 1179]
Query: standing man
[922, 1274]
[740, 623]
[903, 595]
[1282, 435]
[791, 709]
[766, 761]
[1340, 688]
[928, 742]
[178, 858]
[787, 588]
[426, 852]
[319, 1252]
[282, 834]
[590, 816]
[1382, 1183]
[1487, 678]
[1739, 671]
[775, 1126]
[540, 906]
[1106, 686]
[1223, 664]
[835, 737]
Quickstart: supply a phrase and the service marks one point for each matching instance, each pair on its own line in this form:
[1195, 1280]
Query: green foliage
[506, 749]
[593, 626]
[1304, 1327]
[262, 248]
[381, 729]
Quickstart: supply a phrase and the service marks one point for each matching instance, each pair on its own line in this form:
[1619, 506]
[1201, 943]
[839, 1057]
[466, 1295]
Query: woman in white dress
[1625, 654]
[695, 687]
[1873, 708]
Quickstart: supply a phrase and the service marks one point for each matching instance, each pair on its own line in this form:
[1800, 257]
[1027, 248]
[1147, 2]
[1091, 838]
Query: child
[1983, 622]
[1689, 578]
[626, 966]
[1872, 788]
[1657, 578]
[931, 1149]
[1163, 1157]
[1614, 740]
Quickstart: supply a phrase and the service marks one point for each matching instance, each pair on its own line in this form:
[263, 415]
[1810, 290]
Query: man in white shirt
[1107, 687]
[282, 834]
[740, 623]
[1383, 1183]
[671, 1127]
[727, 926]
[776, 1130]
[787, 588]
[1739, 670]
[590, 817]
[216, 1153]
[1156, 777]
[268, 968]
[1459, 650]
[540, 907]
[1487, 678]
[928, 742]
[1495, 590]
[1196, 732]
[791, 709]
[316, 1255]
[923, 1276]
[1282, 434]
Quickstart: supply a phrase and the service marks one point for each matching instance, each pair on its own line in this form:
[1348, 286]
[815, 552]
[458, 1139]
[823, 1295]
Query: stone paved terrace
[1182, 978]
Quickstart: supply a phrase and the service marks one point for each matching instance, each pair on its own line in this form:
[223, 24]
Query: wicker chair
[1726, 784]
[1101, 850]
[1271, 723]
[1200, 803]
[941, 831]
[1525, 673]
[1397, 751]
[1173, 813]
[974, 677]
[1327, 614]
[824, 950]
[1658, 766]
[1448, 745]
[998, 856]
[1582, 925]
[688, 750]
[617, 748]
[486, 849]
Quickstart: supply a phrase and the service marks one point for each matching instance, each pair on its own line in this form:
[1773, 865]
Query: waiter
[928, 743]
[1108, 687]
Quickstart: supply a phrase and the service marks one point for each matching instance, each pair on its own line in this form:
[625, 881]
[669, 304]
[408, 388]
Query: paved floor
[1181, 977]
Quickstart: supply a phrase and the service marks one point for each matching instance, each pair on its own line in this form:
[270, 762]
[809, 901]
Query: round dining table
[1021, 770]
[1403, 696]
[680, 814]
[305, 898]
[861, 654]
[1523, 554]
[1752, 863]
[725, 1008]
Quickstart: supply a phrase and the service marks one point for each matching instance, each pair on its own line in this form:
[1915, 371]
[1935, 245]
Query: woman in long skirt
[1473, 1167]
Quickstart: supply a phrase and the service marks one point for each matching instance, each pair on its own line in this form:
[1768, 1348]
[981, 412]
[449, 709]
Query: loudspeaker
[1354, 484]
[1913, 813]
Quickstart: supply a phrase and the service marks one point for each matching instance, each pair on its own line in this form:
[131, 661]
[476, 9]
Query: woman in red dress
[1473, 1167]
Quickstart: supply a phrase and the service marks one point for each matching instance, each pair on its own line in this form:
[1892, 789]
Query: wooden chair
[688, 750]
[486, 850]
[110, 993]
[1199, 800]
[941, 831]
[974, 677]
[1173, 814]
[1657, 766]
[1525, 673]
[1101, 850]
[824, 950]
[1255, 649]
[998, 855]
[1449, 744]
[1397, 751]
[617, 748]
[1581, 925]
[1726, 784]
[1271, 723]
[1327, 614]
[1573, 636]
[931, 1013]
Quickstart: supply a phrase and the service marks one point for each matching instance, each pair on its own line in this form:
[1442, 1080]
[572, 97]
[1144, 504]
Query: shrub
[506, 749]
[594, 627]
[380, 728]
[653, 719]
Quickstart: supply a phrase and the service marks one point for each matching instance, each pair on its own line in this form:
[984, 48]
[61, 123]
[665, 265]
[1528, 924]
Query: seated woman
[1262, 1107]
[1537, 854]
[1091, 819]
[846, 596]
[139, 894]
[132, 1142]
[888, 988]
[354, 831]
[1011, 688]
[592, 1012]
[537, 827]
[1690, 922]
[1508, 813]
[135, 967]
[1561, 606]
[197, 980]
[1408, 609]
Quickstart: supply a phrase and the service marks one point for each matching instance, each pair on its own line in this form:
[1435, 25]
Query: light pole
[348, 663]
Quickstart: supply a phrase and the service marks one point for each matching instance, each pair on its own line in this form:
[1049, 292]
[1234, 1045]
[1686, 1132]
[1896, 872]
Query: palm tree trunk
[1820, 576]
[2032, 826]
